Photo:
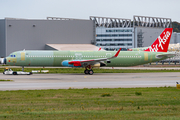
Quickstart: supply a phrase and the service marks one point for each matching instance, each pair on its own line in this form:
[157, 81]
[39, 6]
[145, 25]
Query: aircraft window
[13, 55]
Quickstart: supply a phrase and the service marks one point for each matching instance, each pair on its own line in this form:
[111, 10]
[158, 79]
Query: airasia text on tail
[162, 42]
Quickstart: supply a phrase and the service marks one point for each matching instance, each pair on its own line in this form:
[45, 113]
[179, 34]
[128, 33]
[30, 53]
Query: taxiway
[98, 80]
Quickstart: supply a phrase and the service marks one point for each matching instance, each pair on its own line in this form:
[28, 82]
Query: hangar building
[29, 34]
[115, 33]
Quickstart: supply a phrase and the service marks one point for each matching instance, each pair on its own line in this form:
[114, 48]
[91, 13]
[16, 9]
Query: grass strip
[5, 80]
[107, 103]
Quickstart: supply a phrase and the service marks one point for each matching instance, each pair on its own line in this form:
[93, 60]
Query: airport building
[30, 34]
[115, 33]
[56, 33]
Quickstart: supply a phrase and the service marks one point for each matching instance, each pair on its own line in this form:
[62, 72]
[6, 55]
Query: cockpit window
[13, 55]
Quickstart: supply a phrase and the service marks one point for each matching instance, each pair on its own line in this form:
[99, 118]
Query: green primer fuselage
[55, 58]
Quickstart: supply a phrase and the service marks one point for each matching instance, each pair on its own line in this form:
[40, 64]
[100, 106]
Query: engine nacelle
[99, 65]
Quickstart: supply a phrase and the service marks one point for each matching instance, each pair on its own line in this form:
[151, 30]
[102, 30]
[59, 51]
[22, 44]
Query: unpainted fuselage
[55, 58]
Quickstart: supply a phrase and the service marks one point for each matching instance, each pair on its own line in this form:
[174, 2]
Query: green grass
[119, 103]
[81, 70]
[5, 80]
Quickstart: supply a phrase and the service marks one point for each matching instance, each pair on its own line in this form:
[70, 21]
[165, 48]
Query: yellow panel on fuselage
[22, 56]
[145, 56]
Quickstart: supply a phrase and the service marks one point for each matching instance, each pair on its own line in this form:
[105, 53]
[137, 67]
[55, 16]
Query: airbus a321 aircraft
[90, 59]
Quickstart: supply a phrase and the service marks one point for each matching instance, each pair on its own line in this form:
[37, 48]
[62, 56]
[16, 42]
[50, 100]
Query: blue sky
[82, 9]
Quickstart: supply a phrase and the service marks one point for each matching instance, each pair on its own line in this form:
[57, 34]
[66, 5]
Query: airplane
[91, 59]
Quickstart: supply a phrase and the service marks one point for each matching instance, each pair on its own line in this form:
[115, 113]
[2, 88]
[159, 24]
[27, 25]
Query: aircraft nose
[2, 60]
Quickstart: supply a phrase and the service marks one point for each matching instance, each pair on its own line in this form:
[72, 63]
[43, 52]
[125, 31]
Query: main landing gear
[90, 71]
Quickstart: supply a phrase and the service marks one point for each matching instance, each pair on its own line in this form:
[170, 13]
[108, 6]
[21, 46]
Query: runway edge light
[177, 85]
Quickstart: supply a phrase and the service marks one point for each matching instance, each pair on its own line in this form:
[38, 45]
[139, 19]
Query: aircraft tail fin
[162, 42]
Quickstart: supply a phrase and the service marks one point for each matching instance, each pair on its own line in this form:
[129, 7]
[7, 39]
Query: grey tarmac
[98, 80]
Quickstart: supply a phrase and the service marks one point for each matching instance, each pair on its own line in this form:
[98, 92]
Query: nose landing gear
[90, 71]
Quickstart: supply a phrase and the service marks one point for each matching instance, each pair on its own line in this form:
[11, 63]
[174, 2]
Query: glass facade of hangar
[114, 38]
[113, 35]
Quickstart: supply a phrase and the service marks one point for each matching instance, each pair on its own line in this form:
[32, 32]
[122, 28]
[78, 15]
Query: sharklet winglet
[117, 53]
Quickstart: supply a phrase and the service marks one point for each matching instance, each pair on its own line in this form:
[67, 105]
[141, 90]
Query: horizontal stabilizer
[165, 55]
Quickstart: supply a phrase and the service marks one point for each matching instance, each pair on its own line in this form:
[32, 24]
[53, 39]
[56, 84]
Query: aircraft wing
[92, 61]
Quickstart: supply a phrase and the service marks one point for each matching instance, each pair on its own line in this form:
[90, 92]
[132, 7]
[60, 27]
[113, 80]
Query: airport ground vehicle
[8, 71]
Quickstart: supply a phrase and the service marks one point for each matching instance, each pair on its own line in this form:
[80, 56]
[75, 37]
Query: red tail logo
[162, 42]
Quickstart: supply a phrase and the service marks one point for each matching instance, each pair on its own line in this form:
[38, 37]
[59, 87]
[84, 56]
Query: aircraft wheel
[86, 72]
[90, 72]
[3, 72]
[14, 73]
